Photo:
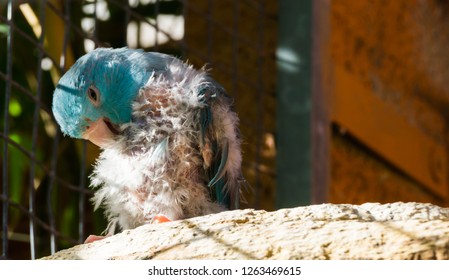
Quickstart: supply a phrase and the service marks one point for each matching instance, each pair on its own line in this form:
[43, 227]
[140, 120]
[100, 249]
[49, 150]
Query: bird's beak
[100, 132]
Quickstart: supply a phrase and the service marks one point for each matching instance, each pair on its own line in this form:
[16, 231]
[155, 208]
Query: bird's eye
[93, 94]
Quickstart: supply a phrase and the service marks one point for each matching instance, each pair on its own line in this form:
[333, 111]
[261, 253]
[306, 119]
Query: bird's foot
[92, 238]
[159, 219]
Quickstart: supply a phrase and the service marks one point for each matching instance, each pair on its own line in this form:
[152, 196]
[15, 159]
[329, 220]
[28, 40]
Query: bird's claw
[92, 238]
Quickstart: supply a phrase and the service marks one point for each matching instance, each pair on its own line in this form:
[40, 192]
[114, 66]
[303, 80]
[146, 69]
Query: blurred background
[340, 101]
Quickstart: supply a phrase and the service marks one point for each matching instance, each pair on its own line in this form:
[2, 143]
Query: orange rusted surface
[378, 125]
[388, 64]
[360, 176]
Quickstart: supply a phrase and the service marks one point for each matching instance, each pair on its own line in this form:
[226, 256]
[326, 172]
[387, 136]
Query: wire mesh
[45, 190]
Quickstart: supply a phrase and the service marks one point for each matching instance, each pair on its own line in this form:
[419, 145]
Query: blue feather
[118, 74]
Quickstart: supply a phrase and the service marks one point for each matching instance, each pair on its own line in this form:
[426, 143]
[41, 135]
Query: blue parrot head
[97, 92]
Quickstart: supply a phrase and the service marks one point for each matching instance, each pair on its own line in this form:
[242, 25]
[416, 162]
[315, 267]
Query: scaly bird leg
[158, 219]
[92, 238]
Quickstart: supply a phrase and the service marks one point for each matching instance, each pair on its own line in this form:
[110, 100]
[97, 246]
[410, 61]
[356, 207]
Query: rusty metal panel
[386, 63]
[360, 176]
[388, 133]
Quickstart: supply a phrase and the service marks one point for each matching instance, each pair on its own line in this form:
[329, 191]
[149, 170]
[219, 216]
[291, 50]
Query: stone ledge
[327, 231]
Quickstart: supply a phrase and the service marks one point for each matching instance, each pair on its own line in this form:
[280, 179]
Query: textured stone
[327, 231]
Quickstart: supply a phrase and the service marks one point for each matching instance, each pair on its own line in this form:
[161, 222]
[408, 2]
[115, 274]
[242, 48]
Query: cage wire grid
[45, 194]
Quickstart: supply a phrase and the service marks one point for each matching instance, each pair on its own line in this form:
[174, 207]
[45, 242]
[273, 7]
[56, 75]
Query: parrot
[168, 134]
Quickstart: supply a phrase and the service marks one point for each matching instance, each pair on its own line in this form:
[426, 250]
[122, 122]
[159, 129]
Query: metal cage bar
[5, 182]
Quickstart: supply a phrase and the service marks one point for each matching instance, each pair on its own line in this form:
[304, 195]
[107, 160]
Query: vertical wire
[63, 60]
[54, 159]
[139, 28]
[126, 20]
[183, 40]
[260, 111]
[235, 27]
[209, 30]
[32, 194]
[156, 25]
[51, 218]
[51, 184]
[5, 181]
[82, 196]
[95, 34]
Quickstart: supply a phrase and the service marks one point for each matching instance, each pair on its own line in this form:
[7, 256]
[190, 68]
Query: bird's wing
[220, 145]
